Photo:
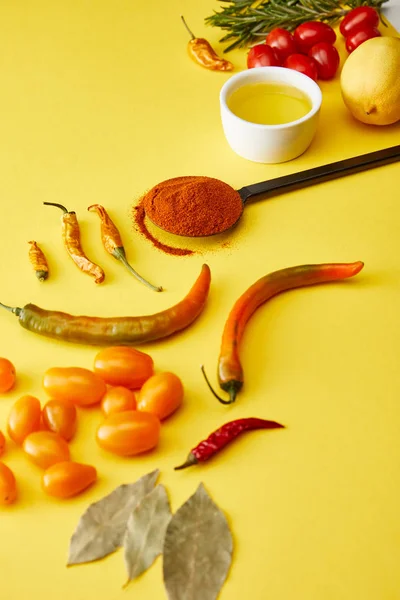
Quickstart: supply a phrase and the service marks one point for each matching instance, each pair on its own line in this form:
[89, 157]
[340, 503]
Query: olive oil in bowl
[269, 103]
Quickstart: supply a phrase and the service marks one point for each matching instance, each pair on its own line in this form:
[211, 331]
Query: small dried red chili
[113, 331]
[112, 242]
[230, 371]
[224, 436]
[72, 241]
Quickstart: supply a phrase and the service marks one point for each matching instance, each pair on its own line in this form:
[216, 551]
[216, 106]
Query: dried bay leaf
[145, 532]
[197, 550]
[102, 526]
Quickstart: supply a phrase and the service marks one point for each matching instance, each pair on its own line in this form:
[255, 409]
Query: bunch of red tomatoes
[133, 400]
[310, 48]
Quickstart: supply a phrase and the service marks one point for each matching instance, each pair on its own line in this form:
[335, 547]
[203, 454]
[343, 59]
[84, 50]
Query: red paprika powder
[191, 206]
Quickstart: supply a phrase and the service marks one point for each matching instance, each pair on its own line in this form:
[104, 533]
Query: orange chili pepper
[72, 242]
[230, 371]
[38, 261]
[114, 331]
[112, 242]
[201, 51]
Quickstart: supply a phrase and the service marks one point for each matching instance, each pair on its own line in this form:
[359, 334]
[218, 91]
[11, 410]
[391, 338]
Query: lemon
[370, 81]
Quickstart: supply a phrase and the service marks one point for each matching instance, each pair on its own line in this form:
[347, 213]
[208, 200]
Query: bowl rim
[293, 77]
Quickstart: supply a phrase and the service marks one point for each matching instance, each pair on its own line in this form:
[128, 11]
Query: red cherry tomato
[303, 64]
[362, 16]
[327, 58]
[359, 36]
[308, 34]
[262, 55]
[282, 41]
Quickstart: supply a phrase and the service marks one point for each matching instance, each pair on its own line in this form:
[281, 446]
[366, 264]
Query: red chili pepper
[230, 371]
[223, 436]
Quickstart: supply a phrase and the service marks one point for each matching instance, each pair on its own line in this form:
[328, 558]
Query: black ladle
[308, 177]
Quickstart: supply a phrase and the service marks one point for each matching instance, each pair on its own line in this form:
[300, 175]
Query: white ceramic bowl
[270, 143]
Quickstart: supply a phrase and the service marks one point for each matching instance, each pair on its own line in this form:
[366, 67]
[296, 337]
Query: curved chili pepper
[38, 261]
[224, 436]
[201, 51]
[112, 242]
[230, 371]
[72, 242]
[117, 330]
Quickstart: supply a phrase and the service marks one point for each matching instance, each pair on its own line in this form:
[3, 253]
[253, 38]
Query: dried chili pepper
[112, 242]
[223, 436]
[201, 51]
[230, 371]
[110, 331]
[72, 242]
[38, 261]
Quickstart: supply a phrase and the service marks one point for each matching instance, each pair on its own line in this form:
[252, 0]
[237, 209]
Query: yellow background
[100, 101]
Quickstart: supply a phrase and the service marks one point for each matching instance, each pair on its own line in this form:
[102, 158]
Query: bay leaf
[197, 550]
[145, 532]
[102, 526]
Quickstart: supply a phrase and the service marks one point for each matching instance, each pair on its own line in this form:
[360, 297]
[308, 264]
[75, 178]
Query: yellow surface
[99, 101]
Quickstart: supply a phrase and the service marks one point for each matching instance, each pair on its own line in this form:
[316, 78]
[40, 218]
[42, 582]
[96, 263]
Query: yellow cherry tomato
[128, 433]
[61, 417]
[66, 479]
[74, 384]
[7, 375]
[161, 395]
[8, 485]
[45, 448]
[118, 399]
[24, 418]
[2, 443]
[123, 365]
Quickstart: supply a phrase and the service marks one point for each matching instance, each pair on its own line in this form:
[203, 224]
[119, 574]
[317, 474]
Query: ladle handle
[324, 173]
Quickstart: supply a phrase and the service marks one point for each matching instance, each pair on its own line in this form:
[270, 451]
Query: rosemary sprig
[247, 20]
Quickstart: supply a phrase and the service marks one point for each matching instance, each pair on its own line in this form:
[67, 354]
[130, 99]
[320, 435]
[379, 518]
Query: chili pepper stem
[13, 309]
[191, 460]
[187, 27]
[232, 391]
[58, 206]
[42, 275]
[119, 254]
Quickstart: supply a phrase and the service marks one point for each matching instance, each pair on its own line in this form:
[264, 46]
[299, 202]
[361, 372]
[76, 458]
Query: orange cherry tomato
[24, 418]
[8, 485]
[123, 365]
[61, 417]
[118, 399]
[128, 433]
[161, 395]
[7, 375]
[45, 448]
[74, 384]
[66, 479]
[2, 443]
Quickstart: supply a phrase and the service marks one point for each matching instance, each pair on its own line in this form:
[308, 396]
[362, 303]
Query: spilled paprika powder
[192, 206]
